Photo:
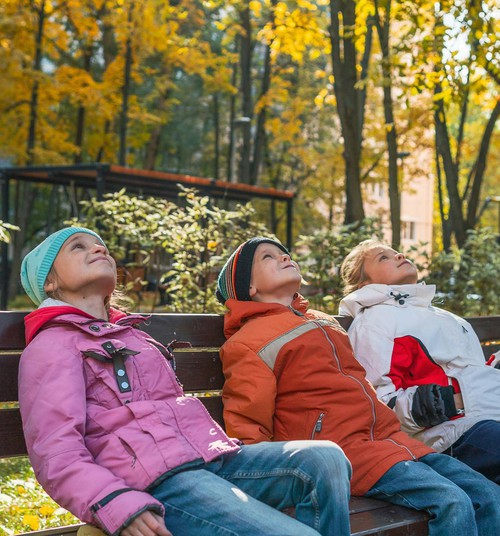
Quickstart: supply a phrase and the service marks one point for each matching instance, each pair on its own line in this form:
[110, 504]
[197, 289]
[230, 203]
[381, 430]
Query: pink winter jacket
[96, 448]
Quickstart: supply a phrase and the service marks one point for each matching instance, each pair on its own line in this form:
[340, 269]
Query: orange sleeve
[249, 394]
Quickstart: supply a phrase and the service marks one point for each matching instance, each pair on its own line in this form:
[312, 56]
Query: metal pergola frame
[107, 178]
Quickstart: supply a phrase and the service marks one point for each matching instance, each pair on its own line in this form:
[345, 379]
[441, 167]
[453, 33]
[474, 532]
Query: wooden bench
[199, 369]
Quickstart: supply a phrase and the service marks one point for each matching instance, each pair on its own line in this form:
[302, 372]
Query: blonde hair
[352, 268]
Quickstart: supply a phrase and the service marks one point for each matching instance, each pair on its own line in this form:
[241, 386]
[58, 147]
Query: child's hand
[147, 524]
[494, 360]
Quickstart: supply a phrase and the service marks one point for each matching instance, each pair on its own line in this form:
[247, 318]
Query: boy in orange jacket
[291, 374]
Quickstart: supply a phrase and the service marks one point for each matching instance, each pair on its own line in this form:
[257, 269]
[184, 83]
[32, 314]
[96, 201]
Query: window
[408, 229]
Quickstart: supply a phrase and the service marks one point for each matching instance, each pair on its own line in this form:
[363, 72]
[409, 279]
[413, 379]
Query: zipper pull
[318, 426]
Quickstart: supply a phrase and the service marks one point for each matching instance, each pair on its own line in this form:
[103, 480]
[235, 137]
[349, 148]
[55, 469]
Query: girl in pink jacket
[113, 439]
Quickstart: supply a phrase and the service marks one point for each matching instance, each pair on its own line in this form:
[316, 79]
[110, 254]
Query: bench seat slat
[68, 530]
[368, 517]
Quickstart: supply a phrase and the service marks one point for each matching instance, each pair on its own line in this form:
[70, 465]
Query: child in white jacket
[425, 363]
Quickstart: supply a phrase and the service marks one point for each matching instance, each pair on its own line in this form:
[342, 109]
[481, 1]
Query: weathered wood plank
[11, 434]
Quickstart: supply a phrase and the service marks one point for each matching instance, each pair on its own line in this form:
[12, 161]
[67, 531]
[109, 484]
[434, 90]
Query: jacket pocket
[318, 424]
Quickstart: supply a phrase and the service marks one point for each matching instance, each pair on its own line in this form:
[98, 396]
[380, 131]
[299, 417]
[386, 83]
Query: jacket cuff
[450, 410]
[115, 512]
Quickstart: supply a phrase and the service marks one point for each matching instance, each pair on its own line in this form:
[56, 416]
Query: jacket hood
[241, 311]
[50, 309]
[369, 295]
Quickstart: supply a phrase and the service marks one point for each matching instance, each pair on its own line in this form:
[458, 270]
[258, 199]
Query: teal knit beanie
[234, 278]
[38, 262]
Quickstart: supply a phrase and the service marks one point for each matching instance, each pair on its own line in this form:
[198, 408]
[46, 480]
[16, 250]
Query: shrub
[182, 247]
[468, 279]
[5, 230]
[320, 255]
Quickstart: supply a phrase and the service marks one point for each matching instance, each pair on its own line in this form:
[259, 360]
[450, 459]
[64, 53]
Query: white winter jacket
[404, 342]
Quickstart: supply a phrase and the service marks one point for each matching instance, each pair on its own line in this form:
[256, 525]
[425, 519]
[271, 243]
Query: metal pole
[99, 183]
[4, 289]
[289, 216]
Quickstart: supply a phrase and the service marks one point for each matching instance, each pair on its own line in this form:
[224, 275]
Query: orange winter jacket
[291, 374]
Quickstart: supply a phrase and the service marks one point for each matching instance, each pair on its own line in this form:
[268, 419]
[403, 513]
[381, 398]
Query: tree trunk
[80, 116]
[261, 121]
[122, 157]
[348, 101]
[246, 92]
[216, 136]
[153, 145]
[109, 51]
[231, 149]
[383, 30]
[477, 172]
[456, 219]
[30, 148]
[260, 130]
[365, 64]
[445, 226]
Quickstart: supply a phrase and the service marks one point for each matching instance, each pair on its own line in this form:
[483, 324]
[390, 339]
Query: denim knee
[321, 457]
[457, 504]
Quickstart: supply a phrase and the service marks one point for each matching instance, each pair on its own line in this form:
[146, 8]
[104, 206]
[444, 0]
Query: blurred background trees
[325, 98]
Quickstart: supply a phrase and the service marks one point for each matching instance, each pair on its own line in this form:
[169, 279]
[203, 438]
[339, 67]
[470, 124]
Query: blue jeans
[479, 449]
[458, 499]
[242, 494]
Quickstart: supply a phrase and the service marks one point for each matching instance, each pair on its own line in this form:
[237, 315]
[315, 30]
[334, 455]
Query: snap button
[107, 325]
[401, 302]
[124, 385]
[108, 346]
[93, 327]
[120, 372]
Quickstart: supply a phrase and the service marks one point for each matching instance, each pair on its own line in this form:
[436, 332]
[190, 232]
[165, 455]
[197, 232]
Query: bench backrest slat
[200, 330]
[11, 330]
[11, 434]
[9, 364]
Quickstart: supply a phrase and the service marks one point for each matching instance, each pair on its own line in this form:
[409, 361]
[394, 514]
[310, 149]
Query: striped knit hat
[37, 264]
[234, 279]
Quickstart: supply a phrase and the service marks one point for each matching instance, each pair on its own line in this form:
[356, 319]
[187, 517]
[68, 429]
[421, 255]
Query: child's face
[275, 277]
[83, 266]
[385, 266]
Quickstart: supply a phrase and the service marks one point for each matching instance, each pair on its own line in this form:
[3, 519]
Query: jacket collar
[239, 312]
[420, 295]
[61, 313]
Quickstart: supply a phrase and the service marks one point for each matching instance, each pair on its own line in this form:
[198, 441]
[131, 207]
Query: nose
[100, 247]
[400, 256]
[285, 257]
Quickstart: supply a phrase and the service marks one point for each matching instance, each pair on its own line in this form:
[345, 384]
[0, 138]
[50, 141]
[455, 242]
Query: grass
[24, 506]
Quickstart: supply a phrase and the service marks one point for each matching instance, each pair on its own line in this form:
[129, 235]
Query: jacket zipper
[341, 370]
[372, 435]
[294, 311]
[318, 425]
